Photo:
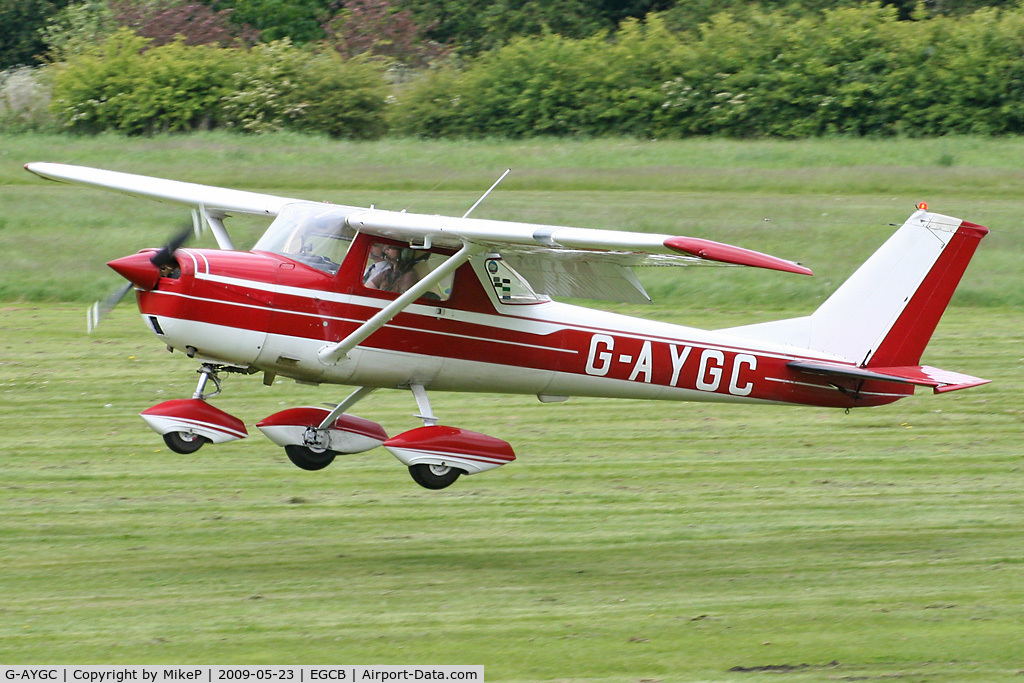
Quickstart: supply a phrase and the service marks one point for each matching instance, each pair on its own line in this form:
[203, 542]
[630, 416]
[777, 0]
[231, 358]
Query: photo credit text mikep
[141, 673]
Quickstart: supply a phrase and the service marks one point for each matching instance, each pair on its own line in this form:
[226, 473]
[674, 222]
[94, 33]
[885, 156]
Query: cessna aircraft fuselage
[273, 314]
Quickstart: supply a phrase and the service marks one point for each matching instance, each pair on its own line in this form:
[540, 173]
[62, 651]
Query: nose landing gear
[187, 424]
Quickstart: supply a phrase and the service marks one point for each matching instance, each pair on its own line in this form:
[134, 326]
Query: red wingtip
[726, 253]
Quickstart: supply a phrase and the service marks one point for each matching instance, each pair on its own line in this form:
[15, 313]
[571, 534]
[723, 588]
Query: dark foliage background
[518, 68]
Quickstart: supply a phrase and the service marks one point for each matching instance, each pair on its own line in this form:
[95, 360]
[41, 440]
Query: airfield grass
[630, 540]
[828, 203]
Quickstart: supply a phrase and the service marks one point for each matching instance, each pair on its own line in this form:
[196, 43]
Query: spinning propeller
[142, 270]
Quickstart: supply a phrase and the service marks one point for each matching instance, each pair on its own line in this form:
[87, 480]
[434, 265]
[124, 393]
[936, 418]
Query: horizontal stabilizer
[939, 380]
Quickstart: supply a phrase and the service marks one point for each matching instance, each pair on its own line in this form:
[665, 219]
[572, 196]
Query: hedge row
[856, 71]
[124, 87]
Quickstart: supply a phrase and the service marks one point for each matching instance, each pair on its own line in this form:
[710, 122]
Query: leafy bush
[847, 71]
[774, 74]
[284, 87]
[549, 85]
[342, 98]
[121, 86]
[262, 95]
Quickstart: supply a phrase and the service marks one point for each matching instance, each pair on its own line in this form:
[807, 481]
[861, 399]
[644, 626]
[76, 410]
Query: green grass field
[631, 541]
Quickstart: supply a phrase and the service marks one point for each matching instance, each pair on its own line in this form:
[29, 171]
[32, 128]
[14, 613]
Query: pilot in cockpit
[395, 273]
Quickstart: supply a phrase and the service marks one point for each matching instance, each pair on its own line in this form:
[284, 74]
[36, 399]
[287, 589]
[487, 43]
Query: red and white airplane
[382, 299]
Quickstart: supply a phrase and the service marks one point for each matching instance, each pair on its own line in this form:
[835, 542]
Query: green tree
[21, 23]
[300, 21]
[475, 26]
[76, 28]
[375, 27]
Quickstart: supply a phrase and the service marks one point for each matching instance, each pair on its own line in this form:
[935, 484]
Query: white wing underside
[175, 191]
[556, 260]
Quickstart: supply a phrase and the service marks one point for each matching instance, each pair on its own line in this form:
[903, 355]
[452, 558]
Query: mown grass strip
[630, 540]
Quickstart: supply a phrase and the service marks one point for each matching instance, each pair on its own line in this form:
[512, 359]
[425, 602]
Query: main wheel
[434, 476]
[184, 442]
[308, 459]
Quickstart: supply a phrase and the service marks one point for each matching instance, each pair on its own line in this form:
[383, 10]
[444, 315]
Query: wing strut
[334, 353]
[353, 398]
[216, 222]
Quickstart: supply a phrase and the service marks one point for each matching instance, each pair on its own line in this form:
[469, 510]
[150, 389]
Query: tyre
[308, 459]
[434, 476]
[184, 442]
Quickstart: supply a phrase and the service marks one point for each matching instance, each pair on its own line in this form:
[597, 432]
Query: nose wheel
[187, 424]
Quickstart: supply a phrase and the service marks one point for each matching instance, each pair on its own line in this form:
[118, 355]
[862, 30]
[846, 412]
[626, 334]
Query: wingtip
[727, 253]
[39, 168]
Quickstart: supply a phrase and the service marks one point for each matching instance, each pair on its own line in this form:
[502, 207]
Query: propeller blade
[165, 257]
[162, 258]
[100, 309]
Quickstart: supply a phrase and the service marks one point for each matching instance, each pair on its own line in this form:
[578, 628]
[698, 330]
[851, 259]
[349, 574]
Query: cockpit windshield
[313, 234]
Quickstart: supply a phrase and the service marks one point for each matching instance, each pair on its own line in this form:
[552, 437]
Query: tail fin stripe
[905, 341]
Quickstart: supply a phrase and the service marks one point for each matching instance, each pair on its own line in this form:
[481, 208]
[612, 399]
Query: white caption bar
[142, 673]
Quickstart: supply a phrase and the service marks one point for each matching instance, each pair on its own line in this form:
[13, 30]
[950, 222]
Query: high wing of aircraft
[376, 299]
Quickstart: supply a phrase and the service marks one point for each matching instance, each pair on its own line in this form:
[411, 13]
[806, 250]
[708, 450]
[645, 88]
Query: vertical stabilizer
[886, 312]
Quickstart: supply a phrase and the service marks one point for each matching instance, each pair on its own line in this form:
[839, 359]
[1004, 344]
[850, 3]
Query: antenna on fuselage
[484, 195]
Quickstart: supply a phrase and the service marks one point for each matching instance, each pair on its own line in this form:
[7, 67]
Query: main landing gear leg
[430, 475]
[438, 455]
[313, 436]
[313, 453]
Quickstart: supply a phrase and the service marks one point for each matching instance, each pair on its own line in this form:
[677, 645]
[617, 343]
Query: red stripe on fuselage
[292, 300]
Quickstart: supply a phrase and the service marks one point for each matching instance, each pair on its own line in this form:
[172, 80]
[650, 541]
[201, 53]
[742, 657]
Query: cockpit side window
[392, 268]
[311, 234]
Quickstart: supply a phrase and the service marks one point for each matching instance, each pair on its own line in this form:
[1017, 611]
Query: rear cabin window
[509, 286]
[391, 268]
